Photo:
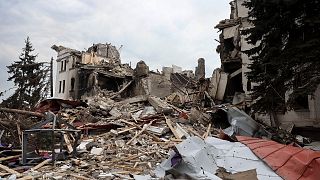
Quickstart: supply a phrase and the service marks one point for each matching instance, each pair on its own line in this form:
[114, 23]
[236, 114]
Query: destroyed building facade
[100, 69]
[80, 73]
[230, 82]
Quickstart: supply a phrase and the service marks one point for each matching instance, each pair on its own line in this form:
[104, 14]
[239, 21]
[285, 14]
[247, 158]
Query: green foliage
[286, 57]
[30, 80]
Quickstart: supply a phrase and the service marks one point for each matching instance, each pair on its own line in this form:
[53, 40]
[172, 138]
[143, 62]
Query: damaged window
[73, 60]
[72, 84]
[63, 85]
[65, 65]
[228, 45]
[61, 69]
[60, 83]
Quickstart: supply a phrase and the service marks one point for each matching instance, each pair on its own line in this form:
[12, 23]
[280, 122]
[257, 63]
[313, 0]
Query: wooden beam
[10, 170]
[169, 123]
[10, 157]
[22, 112]
[205, 135]
[121, 90]
[140, 132]
[41, 164]
[156, 138]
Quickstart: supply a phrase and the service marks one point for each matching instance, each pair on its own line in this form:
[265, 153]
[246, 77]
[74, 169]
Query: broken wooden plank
[248, 174]
[195, 133]
[41, 164]
[133, 117]
[10, 170]
[68, 143]
[140, 132]
[121, 90]
[4, 174]
[131, 157]
[22, 112]
[156, 138]
[126, 130]
[131, 169]
[181, 132]
[169, 123]
[205, 135]
[10, 157]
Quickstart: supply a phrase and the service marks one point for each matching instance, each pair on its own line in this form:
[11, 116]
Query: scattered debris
[124, 123]
[203, 159]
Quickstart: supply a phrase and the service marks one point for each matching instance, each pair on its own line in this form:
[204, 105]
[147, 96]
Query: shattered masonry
[110, 121]
[231, 84]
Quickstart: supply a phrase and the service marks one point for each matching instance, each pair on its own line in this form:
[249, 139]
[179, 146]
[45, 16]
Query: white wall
[66, 75]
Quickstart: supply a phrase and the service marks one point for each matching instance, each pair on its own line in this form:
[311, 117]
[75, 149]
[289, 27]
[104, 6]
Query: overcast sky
[160, 32]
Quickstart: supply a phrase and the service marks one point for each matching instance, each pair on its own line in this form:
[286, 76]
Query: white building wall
[65, 75]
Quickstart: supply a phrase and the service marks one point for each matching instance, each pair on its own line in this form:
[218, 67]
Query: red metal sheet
[268, 150]
[281, 155]
[287, 161]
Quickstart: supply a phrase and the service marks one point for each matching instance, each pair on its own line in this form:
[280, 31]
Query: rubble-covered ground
[122, 138]
[119, 138]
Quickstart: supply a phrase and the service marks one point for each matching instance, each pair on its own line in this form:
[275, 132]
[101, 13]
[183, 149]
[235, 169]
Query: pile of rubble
[119, 138]
[131, 138]
[137, 124]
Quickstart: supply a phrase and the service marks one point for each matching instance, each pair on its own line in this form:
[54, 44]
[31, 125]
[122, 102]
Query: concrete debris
[96, 151]
[123, 122]
[159, 105]
[157, 130]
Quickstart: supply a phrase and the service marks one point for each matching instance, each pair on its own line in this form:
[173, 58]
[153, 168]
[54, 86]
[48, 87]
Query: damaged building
[84, 73]
[141, 124]
[230, 82]
[100, 69]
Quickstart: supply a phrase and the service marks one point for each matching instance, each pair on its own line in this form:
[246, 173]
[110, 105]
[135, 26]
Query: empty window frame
[65, 65]
[63, 85]
[72, 84]
[62, 65]
[60, 83]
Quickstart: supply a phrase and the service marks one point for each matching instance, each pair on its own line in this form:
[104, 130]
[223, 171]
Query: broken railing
[60, 129]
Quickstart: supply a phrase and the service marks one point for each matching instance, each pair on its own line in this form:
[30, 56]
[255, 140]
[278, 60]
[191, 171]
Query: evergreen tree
[285, 59]
[30, 80]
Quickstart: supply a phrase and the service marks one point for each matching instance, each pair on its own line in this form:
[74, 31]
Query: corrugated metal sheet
[287, 161]
[200, 159]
